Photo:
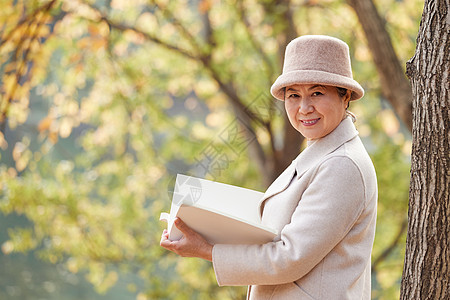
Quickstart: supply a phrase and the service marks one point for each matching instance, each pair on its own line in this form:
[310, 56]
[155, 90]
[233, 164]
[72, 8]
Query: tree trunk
[394, 84]
[426, 269]
[292, 139]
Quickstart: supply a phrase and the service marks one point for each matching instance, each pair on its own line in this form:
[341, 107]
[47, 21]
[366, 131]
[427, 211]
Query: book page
[232, 200]
[220, 212]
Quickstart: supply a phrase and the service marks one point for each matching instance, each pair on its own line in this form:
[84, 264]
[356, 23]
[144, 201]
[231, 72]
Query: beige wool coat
[324, 208]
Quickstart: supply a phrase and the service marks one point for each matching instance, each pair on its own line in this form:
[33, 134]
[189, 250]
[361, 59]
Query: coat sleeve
[326, 212]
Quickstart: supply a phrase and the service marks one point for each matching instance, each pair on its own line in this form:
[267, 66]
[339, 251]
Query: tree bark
[292, 139]
[394, 84]
[426, 268]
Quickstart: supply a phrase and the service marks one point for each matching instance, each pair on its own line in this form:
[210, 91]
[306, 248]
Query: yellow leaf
[10, 67]
[12, 172]
[93, 29]
[98, 43]
[43, 30]
[103, 29]
[72, 265]
[134, 37]
[19, 148]
[66, 127]
[22, 94]
[205, 87]
[119, 4]
[44, 124]
[147, 21]
[22, 157]
[214, 119]
[35, 45]
[84, 43]
[79, 68]
[204, 6]
[389, 122]
[141, 296]
[7, 247]
[3, 142]
[53, 137]
[75, 57]
[9, 82]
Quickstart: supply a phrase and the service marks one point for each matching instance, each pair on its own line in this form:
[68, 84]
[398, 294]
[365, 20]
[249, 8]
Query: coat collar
[317, 149]
[312, 155]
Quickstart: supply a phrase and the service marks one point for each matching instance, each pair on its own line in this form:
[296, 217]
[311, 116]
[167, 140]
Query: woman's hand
[190, 245]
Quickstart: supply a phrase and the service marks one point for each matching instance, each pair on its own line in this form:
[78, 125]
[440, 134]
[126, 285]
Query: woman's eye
[293, 96]
[317, 94]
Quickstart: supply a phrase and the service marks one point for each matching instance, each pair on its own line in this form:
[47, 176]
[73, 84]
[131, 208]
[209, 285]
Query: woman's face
[315, 110]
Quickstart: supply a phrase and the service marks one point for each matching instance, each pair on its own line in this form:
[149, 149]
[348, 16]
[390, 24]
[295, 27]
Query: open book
[221, 213]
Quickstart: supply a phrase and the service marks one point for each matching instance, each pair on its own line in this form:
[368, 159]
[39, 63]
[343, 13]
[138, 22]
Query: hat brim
[315, 77]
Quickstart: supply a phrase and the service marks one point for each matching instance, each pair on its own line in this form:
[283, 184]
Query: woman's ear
[347, 98]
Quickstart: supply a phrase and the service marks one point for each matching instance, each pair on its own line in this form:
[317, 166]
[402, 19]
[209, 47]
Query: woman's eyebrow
[317, 86]
[311, 88]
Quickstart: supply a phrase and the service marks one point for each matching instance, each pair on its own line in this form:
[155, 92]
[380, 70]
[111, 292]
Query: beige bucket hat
[317, 59]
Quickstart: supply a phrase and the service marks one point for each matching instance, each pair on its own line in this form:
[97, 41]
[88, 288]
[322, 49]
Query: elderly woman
[323, 205]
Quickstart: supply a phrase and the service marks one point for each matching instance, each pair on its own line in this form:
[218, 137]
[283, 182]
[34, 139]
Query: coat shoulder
[351, 158]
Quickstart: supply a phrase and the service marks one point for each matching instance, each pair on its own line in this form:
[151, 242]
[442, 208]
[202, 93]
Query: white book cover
[221, 213]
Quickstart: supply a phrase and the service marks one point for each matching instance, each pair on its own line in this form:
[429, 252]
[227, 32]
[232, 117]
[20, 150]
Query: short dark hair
[342, 92]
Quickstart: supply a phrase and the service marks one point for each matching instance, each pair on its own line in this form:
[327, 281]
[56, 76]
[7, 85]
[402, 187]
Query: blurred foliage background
[104, 101]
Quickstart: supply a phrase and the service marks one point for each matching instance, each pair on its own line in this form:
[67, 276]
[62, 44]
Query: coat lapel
[312, 155]
[281, 182]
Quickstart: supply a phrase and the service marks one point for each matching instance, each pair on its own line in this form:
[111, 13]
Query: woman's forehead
[297, 87]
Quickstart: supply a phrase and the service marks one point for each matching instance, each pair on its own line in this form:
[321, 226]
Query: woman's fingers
[191, 244]
[183, 227]
[165, 242]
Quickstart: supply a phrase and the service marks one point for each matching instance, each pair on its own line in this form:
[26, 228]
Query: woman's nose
[305, 107]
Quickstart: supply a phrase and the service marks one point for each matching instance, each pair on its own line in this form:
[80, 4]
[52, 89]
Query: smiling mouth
[310, 122]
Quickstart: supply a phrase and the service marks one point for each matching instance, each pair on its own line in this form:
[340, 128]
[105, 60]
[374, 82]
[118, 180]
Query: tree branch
[173, 20]
[29, 18]
[394, 84]
[269, 68]
[225, 87]
[21, 55]
[123, 27]
[209, 36]
[292, 139]
[246, 115]
[270, 77]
